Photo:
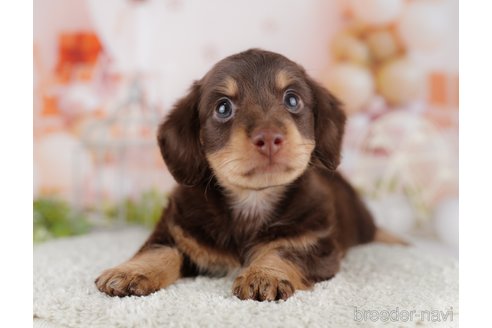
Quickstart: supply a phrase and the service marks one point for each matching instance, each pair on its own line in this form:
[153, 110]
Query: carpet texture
[390, 281]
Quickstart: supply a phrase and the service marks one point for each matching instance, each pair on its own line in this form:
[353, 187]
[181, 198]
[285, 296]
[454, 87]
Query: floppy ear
[329, 120]
[179, 140]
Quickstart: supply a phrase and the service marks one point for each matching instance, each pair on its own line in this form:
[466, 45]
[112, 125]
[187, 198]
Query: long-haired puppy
[254, 147]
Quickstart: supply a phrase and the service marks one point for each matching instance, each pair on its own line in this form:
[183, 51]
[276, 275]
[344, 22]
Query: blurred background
[106, 72]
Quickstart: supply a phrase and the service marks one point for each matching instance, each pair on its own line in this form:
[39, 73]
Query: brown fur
[275, 207]
[206, 258]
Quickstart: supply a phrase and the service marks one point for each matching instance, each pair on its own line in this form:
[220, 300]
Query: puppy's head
[255, 120]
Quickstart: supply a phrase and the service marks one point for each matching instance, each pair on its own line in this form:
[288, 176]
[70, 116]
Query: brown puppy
[254, 147]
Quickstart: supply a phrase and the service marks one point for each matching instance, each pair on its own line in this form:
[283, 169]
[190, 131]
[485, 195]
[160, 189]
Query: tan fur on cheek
[228, 162]
[238, 164]
[205, 257]
[146, 272]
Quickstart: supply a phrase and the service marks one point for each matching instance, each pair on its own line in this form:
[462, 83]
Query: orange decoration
[79, 49]
[443, 90]
[443, 98]
[50, 106]
[85, 73]
[456, 91]
[438, 94]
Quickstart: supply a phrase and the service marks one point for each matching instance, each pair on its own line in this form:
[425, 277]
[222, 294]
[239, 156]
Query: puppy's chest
[251, 209]
[252, 205]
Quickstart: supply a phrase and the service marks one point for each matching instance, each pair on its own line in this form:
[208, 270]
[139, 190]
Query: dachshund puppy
[254, 147]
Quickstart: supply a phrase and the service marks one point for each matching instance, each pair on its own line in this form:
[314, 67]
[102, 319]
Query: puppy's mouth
[257, 173]
[272, 167]
[262, 164]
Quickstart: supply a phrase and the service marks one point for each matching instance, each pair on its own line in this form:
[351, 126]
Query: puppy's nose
[267, 141]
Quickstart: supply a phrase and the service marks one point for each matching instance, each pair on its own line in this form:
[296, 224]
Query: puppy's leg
[156, 265]
[269, 278]
[149, 270]
[275, 273]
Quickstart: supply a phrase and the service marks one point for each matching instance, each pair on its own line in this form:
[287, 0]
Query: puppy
[254, 147]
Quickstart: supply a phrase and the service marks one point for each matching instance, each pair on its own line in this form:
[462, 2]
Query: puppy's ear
[179, 140]
[329, 120]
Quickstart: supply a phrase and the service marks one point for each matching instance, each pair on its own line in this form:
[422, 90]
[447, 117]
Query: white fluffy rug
[389, 281]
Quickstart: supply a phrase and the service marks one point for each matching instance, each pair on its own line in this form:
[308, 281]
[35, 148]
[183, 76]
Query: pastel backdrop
[107, 71]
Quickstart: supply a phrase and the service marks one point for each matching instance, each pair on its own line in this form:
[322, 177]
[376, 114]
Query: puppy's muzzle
[268, 141]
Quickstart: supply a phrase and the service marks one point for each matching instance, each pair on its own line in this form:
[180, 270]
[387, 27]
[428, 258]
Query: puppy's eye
[224, 109]
[292, 102]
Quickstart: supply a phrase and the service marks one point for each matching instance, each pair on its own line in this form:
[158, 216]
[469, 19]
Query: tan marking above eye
[283, 79]
[228, 87]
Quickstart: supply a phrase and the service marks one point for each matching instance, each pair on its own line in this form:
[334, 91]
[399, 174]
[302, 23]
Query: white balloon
[376, 12]
[382, 44]
[423, 25]
[352, 84]
[401, 81]
[347, 47]
[446, 221]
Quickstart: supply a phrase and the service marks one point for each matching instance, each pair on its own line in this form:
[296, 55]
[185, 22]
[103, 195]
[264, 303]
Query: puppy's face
[255, 120]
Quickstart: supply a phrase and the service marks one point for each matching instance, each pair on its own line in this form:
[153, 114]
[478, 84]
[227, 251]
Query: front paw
[262, 286]
[124, 281]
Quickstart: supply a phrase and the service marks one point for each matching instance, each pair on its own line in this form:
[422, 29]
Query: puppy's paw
[124, 281]
[150, 270]
[261, 286]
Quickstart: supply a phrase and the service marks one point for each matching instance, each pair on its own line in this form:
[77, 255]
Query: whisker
[207, 185]
[225, 163]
